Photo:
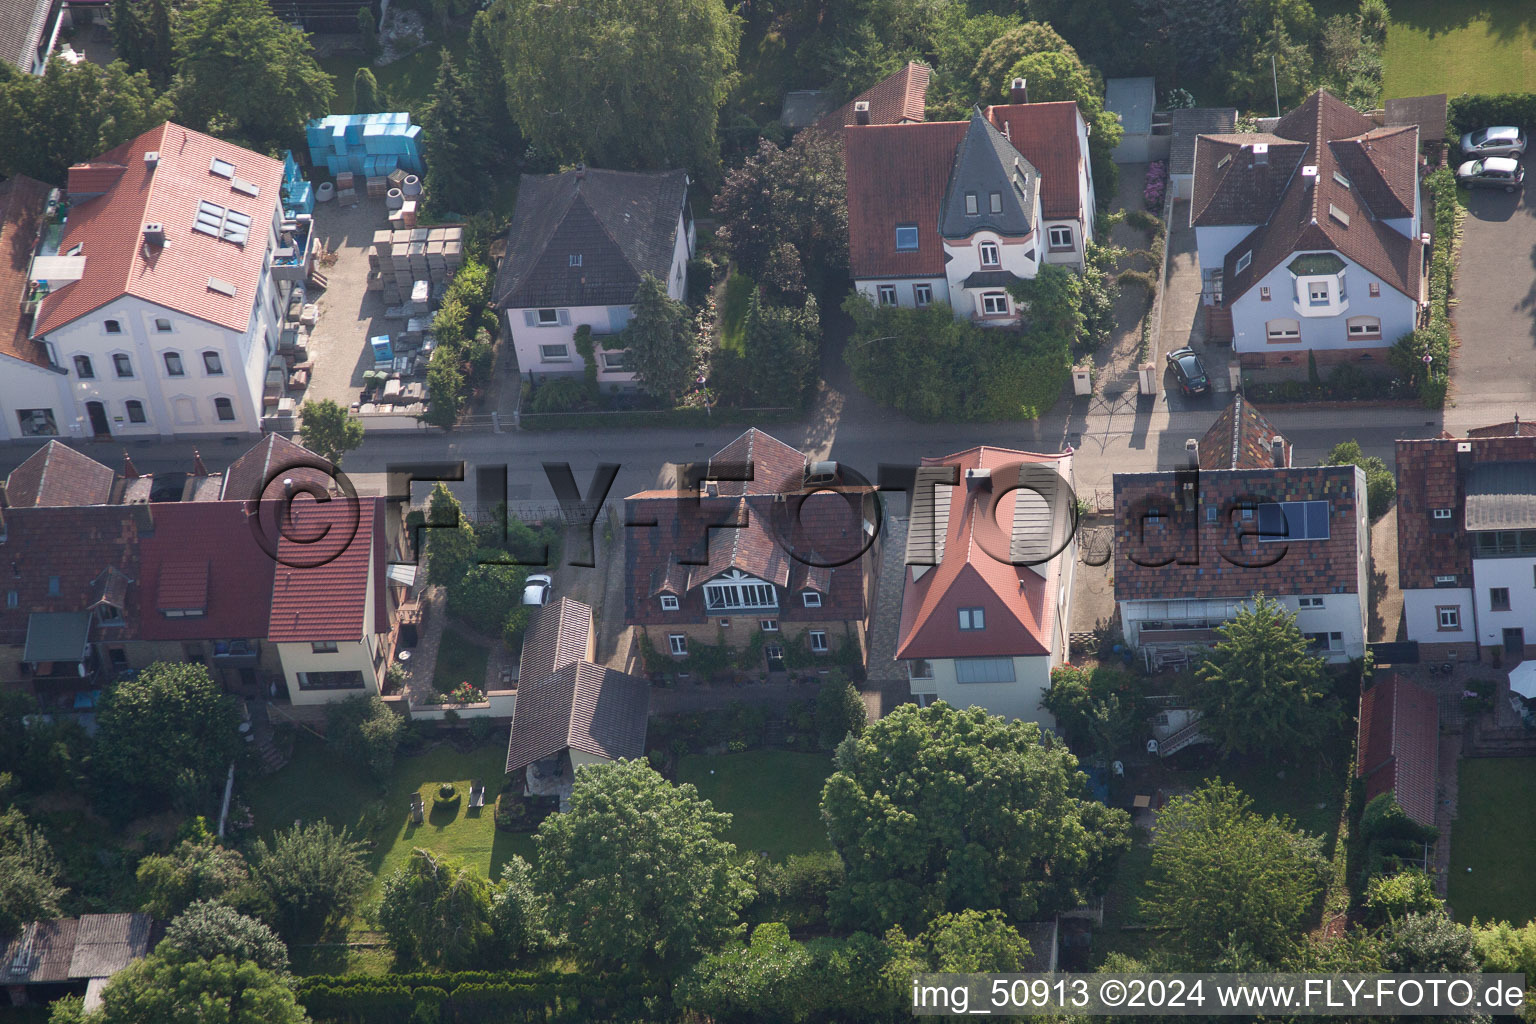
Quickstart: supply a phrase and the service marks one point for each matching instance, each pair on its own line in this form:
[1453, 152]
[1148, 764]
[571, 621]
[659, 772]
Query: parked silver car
[1493, 172]
[1505, 141]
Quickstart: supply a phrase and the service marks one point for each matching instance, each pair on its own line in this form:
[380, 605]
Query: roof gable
[623, 225]
[256, 473]
[897, 174]
[1241, 438]
[1047, 136]
[987, 163]
[777, 468]
[109, 229]
[896, 99]
[57, 475]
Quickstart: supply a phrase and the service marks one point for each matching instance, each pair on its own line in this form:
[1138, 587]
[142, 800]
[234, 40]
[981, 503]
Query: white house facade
[579, 245]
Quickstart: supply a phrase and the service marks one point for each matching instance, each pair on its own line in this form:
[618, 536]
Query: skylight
[230, 225]
[220, 286]
[245, 188]
[1224, 161]
[1338, 215]
[223, 168]
[1341, 179]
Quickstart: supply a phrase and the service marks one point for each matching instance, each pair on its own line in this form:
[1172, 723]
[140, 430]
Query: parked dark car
[1492, 172]
[1190, 371]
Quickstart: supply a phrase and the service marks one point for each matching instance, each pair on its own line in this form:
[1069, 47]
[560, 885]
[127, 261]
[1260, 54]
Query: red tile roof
[1240, 439]
[57, 475]
[1431, 474]
[76, 545]
[324, 558]
[204, 555]
[109, 229]
[1295, 210]
[898, 99]
[1184, 554]
[1514, 428]
[897, 174]
[1019, 602]
[1046, 133]
[1400, 745]
[22, 200]
[777, 468]
[260, 471]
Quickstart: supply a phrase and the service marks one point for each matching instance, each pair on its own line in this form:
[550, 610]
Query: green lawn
[1493, 869]
[459, 660]
[316, 784]
[733, 312]
[1478, 47]
[408, 80]
[775, 796]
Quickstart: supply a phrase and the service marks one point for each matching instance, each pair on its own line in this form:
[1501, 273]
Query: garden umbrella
[1522, 680]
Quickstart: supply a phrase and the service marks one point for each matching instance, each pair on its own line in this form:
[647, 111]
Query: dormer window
[1441, 513]
[1244, 261]
[575, 259]
[996, 200]
[810, 598]
[906, 237]
[971, 208]
[668, 603]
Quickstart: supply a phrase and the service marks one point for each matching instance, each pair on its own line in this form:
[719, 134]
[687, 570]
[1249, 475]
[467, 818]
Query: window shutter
[530, 317]
[565, 318]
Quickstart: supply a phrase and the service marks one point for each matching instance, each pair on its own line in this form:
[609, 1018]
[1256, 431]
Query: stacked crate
[401, 258]
[369, 145]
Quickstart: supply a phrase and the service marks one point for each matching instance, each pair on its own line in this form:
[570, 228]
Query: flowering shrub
[1157, 185]
[464, 693]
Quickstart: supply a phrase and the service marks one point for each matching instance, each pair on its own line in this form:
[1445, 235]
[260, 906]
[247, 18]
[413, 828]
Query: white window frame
[903, 229]
[554, 318]
[323, 647]
[818, 639]
[994, 250]
[1306, 515]
[972, 206]
[1314, 298]
[972, 619]
[1494, 605]
[1363, 326]
[916, 672]
[995, 202]
[886, 294]
[1263, 293]
[678, 644]
[1243, 262]
[1445, 581]
[998, 670]
[233, 414]
[1309, 602]
[216, 368]
[1440, 513]
[739, 592]
[768, 625]
[563, 357]
[1448, 617]
[84, 368]
[810, 599]
[574, 259]
[1061, 237]
[670, 603]
[1282, 333]
[163, 325]
[994, 304]
[617, 361]
[922, 295]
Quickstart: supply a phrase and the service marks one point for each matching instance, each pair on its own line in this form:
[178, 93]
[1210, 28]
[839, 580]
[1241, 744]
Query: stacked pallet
[403, 264]
[343, 180]
[377, 187]
[369, 145]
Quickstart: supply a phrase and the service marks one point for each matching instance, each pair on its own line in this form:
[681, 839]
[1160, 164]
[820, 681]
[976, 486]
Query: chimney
[978, 480]
[288, 487]
[1277, 450]
[130, 471]
[581, 171]
[1017, 91]
[861, 112]
[1192, 450]
[198, 469]
[154, 233]
[152, 160]
[1261, 154]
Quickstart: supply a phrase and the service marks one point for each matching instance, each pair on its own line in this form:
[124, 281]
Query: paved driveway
[1495, 310]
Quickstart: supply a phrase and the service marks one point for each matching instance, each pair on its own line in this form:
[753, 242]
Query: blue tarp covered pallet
[372, 145]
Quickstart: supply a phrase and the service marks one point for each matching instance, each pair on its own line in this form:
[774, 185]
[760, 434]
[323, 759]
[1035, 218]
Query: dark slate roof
[57, 636]
[1191, 122]
[991, 279]
[21, 31]
[57, 475]
[561, 634]
[1501, 496]
[1240, 439]
[1428, 112]
[1399, 745]
[582, 706]
[1183, 554]
[623, 225]
[986, 162]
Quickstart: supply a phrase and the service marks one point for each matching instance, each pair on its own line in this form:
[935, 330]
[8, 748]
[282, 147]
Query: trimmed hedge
[468, 997]
[1468, 113]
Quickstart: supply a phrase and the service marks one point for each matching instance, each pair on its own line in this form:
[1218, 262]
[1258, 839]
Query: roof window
[1338, 215]
[1244, 261]
[223, 168]
[222, 287]
[230, 225]
[1341, 179]
[245, 188]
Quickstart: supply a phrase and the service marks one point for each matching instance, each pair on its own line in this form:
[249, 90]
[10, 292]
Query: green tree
[483, 68]
[164, 737]
[1223, 875]
[437, 911]
[1389, 897]
[992, 75]
[445, 383]
[194, 871]
[1278, 30]
[766, 979]
[484, 595]
[638, 872]
[368, 29]
[1098, 710]
[660, 341]
[242, 72]
[209, 929]
[975, 941]
[778, 358]
[448, 536]
[29, 872]
[71, 113]
[328, 431]
[1262, 691]
[1061, 75]
[365, 91]
[158, 989]
[307, 877]
[901, 810]
[141, 35]
[581, 74]
[840, 711]
[1380, 482]
[519, 914]
[784, 214]
[454, 143]
[1505, 949]
[1428, 944]
[363, 728]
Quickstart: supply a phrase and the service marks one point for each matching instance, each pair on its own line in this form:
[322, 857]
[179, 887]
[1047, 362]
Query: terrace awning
[57, 636]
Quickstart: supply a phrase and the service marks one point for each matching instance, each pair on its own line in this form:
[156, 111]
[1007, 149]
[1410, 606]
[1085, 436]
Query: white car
[538, 590]
[1504, 141]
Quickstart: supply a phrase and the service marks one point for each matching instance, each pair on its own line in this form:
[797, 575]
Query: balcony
[235, 653]
[290, 260]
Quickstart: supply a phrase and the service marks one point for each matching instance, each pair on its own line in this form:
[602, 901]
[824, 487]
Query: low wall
[497, 704]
